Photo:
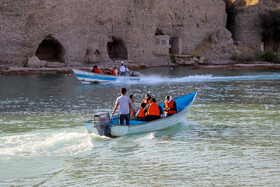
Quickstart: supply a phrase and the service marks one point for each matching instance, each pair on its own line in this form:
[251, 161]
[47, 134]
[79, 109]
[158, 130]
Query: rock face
[219, 45]
[248, 21]
[101, 31]
[36, 62]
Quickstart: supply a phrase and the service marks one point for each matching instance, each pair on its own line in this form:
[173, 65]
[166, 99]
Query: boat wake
[155, 79]
[43, 143]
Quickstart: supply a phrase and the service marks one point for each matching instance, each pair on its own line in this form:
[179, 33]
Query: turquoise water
[232, 136]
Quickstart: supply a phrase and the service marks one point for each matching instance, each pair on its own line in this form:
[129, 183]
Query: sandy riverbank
[6, 70]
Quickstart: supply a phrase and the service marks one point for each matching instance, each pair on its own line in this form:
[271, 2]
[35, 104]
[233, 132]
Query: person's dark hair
[95, 66]
[131, 96]
[123, 90]
[143, 105]
[167, 97]
[153, 100]
[148, 96]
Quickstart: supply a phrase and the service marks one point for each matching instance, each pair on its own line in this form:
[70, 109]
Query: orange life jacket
[96, 70]
[109, 72]
[154, 110]
[169, 105]
[115, 72]
[141, 113]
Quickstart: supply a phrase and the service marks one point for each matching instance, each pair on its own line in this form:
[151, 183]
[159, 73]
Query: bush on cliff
[173, 59]
[271, 29]
[244, 57]
[270, 56]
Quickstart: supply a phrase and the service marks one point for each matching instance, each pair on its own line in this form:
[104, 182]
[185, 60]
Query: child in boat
[140, 113]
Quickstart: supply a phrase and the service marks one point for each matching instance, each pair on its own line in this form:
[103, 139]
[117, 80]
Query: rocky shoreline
[11, 70]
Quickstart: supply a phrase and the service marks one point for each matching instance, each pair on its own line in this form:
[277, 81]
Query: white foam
[157, 79]
[45, 144]
[149, 136]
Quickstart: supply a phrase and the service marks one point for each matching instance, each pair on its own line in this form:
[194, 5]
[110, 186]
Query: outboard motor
[101, 122]
[134, 74]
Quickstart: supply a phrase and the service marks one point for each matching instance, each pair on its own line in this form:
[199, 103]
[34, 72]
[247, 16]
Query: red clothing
[154, 110]
[141, 113]
[115, 71]
[172, 106]
[96, 70]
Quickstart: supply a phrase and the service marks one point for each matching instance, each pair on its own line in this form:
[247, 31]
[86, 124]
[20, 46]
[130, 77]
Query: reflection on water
[232, 136]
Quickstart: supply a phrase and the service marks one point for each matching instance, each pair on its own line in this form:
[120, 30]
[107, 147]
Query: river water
[231, 137]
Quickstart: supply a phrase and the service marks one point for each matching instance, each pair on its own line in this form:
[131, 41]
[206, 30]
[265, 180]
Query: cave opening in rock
[231, 14]
[116, 49]
[159, 32]
[50, 50]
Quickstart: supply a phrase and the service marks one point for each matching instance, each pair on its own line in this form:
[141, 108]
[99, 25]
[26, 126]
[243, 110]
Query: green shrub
[173, 59]
[193, 54]
[244, 57]
[234, 57]
[269, 56]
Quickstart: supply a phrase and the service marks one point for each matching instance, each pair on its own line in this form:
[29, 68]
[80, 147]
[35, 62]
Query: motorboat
[98, 77]
[104, 125]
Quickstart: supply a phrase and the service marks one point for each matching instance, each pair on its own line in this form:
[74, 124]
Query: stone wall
[83, 28]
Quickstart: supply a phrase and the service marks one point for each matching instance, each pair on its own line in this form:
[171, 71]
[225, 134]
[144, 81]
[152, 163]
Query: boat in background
[103, 125]
[97, 77]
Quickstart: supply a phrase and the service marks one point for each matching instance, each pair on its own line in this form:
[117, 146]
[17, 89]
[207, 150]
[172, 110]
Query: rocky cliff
[101, 31]
[247, 23]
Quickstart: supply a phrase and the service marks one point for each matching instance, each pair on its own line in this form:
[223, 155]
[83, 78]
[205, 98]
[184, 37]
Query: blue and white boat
[103, 125]
[97, 77]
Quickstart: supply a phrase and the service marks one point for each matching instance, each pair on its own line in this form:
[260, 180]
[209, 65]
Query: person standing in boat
[95, 69]
[147, 99]
[122, 69]
[125, 106]
[170, 107]
[133, 109]
[153, 110]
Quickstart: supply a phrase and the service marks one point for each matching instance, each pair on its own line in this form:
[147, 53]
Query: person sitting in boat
[109, 72]
[122, 69]
[115, 71]
[140, 113]
[170, 107]
[125, 106]
[153, 111]
[133, 110]
[147, 99]
[95, 69]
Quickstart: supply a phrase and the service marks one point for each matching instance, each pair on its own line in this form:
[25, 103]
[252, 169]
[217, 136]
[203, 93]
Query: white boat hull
[96, 77]
[156, 125]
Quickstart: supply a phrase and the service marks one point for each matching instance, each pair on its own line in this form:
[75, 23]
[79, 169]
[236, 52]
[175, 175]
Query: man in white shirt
[123, 69]
[125, 106]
